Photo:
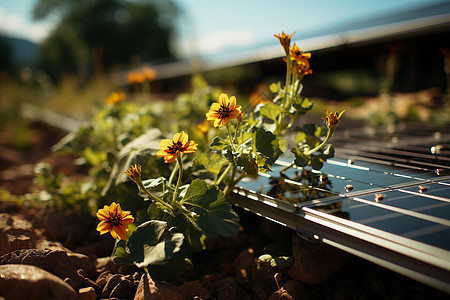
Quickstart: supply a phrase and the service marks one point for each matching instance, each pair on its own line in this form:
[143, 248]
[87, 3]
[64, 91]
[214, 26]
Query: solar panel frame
[405, 232]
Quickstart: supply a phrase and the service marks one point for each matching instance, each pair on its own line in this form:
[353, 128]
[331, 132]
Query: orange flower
[223, 111]
[171, 148]
[115, 98]
[332, 119]
[135, 77]
[285, 40]
[148, 73]
[115, 220]
[301, 68]
[134, 172]
[297, 53]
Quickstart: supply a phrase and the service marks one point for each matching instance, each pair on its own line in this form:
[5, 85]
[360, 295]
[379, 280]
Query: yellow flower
[332, 119]
[285, 40]
[134, 172]
[115, 98]
[171, 148]
[203, 127]
[297, 53]
[115, 220]
[223, 111]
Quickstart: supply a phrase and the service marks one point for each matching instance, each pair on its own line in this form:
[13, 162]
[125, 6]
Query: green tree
[105, 33]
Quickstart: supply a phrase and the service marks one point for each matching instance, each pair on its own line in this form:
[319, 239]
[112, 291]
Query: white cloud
[220, 40]
[17, 26]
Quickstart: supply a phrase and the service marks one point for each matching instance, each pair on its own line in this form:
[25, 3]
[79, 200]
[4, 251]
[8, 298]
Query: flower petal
[103, 227]
[232, 102]
[170, 158]
[182, 138]
[165, 143]
[191, 147]
[121, 231]
[161, 153]
[223, 99]
[103, 213]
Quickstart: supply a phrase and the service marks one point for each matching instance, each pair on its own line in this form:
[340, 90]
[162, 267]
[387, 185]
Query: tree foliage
[102, 34]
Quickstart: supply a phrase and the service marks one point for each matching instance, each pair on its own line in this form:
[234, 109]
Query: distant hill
[19, 51]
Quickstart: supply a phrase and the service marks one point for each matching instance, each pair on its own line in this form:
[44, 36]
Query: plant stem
[172, 175]
[222, 177]
[239, 178]
[153, 197]
[231, 182]
[329, 134]
[230, 137]
[180, 175]
[286, 168]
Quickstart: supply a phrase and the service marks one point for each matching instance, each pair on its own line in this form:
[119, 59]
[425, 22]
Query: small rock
[261, 290]
[228, 288]
[125, 289]
[111, 284]
[83, 262]
[43, 244]
[100, 249]
[193, 289]
[54, 261]
[15, 233]
[58, 224]
[19, 282]
[265, 270]
[314, 263]
[244, 267]
[87, 293]
[151, 290]
[106, 264]
[87, 282]
[292, 290]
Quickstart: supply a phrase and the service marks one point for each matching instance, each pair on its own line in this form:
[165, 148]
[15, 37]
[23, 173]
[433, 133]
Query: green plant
[185, 193]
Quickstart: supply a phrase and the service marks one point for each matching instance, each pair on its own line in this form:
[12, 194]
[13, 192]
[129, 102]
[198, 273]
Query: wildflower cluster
[189, 204]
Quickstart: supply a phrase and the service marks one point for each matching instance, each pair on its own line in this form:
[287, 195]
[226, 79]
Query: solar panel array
[385, 197]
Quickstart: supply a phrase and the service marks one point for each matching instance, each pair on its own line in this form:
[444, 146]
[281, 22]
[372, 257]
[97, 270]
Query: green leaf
[153, 244]
[327, 152]
[316, 162]
[300, 160]
[215, 214]
[275, 87]
[121, 257]
[248, 164]
[155, 186]
[194, 237]
[267, 144]
[218, 145]
[211, 161]
[271, 111]
[136, 152]
[303, 104]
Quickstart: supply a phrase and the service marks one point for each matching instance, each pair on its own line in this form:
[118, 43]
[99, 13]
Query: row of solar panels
[385, 198]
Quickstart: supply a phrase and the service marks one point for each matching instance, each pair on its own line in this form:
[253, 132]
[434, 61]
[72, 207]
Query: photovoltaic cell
[385, 197]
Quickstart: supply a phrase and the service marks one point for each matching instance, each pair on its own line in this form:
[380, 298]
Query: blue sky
[210, 26]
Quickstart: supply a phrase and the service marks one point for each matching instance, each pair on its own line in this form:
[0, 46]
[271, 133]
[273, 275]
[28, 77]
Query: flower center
[224, 111]
[178, 146]
[115, 220]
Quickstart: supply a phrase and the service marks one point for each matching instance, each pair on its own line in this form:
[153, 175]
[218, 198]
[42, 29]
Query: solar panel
[385, 198]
